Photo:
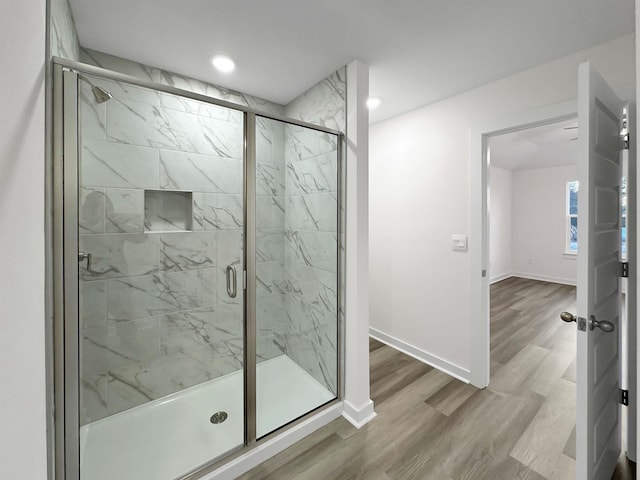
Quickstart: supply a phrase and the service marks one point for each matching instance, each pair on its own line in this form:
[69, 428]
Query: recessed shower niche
[167, 211]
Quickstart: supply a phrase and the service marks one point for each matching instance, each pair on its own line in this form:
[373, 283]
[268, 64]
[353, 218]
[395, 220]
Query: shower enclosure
[197, 276]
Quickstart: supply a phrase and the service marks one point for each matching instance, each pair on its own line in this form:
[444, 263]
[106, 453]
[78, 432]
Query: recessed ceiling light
[373, 102]
[223, 63]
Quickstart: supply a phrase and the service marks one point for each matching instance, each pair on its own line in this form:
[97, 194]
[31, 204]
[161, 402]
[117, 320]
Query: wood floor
[431, 426]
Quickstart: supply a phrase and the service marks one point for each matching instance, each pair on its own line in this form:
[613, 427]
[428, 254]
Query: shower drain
[218, 417]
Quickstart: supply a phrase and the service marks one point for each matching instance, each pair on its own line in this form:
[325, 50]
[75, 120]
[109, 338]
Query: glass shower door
[296, 272]
[161, 322]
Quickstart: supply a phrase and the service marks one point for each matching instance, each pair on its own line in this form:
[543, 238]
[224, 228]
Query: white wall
[419, 183]
[23, 453]
[500, 191]
[539, 207]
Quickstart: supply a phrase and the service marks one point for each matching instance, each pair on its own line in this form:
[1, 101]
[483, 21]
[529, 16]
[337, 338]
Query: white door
[599, 297]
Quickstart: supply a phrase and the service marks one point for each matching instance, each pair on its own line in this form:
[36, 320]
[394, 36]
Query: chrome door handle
[603, 325]
[82, 256]
[232, 281]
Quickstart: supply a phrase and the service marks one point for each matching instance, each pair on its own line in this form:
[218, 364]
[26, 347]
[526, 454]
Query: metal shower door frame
[65, 144]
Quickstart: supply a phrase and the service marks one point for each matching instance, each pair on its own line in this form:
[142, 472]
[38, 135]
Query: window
[572, 217]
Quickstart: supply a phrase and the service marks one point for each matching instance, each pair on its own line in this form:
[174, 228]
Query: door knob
[603, 325]
[567, 317]
[570, 317]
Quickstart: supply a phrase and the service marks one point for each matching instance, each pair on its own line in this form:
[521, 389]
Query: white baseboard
[545, 278]
[261, 453]
[358, 417]
[425, 357]
[499, 278]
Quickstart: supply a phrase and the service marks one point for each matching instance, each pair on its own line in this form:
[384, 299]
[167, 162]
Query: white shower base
[166, 438]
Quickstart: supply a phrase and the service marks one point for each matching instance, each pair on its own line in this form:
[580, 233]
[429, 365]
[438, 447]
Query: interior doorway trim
[480, 373]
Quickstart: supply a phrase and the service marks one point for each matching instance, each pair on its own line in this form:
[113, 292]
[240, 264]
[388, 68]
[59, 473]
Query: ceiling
[419, 51]
[539, 147]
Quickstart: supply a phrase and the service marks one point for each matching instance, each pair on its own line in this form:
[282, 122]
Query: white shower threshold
[166, 438]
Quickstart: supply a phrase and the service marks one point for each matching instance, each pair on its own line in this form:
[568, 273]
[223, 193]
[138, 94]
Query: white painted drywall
[538, 224]
[500, 265]
[23, 452]
[419, 197]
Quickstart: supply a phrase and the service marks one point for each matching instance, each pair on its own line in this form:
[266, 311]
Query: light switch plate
[459, 242]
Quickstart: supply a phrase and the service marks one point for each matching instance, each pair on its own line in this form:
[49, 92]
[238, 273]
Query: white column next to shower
[358, 407]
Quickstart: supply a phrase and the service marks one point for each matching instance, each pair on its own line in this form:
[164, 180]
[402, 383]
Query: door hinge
[624, 397]
[624, 134]
[624, 269]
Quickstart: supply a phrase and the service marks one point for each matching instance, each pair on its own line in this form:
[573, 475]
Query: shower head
[100, 94]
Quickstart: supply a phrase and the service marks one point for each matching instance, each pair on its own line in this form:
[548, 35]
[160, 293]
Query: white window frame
[569, 216]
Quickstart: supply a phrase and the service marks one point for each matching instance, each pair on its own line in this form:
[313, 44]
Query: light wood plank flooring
[431, 426]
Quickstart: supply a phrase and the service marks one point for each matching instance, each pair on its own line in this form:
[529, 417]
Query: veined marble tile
[124, 210]
[91, 210]
[213, 211]
[279, 130]
[158, 294]
[188, 251]
[119, 255]
[137, 383]
[320, 327]
[113, 346]
[127, 92]
[270, 245]
[270, 314]
[112, 165]
[268, 348]
[304, 143]
[230, 248]
[220, 362]
[315, 360]
[314, 249]
[303, 316]
[315, 286]
[93, 304]
[226, 353]
[172, 79]
[125, 393]
[94, 394]
[312, 212]
[140, 123]
[200, 173]
[315, 175]
[270, 179]
[264, 143]
[184, 331]
[270, 212]
[324, 103]
[92, 116]
[270, 278]
[64, 38]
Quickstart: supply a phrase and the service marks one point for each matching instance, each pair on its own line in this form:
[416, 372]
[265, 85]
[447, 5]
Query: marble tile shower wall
[63, 35]
[311, 252]
[155, 315]
[165, 77]
[270, 233]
